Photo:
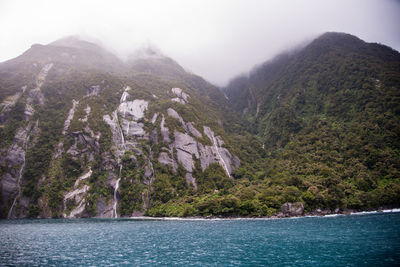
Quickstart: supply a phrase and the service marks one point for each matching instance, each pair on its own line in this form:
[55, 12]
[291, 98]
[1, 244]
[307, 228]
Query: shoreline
[312, 214]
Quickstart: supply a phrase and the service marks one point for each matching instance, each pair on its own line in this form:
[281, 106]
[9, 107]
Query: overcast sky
[216, 39]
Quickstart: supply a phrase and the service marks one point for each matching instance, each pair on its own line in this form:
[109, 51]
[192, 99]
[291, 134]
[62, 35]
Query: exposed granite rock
[104, 210]
[190, 127]
[78, 197]
[172, 113]
[117, 135]
[125, 95]
[14, 164]
[207, 156]
[83, 177]
[164, 131]
[179, 100]
[133, 128]
[36, 94]
[223, 156]
[87, 113]
[186, 146]
[134, 109]
[8, 186]
[164, 158]
[154, 118]
[291, 209]
[180, 94]
[9, 103]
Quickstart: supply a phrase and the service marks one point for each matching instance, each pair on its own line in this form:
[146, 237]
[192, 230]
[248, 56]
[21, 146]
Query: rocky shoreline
[283, 214]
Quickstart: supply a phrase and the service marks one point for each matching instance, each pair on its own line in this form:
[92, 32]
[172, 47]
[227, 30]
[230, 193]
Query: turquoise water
[357, 240]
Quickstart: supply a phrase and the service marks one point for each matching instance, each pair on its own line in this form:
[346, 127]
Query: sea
[363, 239]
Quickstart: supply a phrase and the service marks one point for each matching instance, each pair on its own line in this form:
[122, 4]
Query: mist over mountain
[86, 134]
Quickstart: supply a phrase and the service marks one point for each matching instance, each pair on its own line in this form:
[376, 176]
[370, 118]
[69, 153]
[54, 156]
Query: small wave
[364, 212]
[333, 215]
[392, 210]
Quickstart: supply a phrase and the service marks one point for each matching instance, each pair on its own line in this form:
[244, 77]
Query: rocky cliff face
[83, 134]
[92, 144]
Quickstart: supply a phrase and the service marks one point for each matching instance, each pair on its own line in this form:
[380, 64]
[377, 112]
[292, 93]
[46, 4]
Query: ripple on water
[342, 240]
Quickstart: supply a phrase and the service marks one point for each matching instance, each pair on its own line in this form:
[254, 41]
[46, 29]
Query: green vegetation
[329, 119]
[319, 126]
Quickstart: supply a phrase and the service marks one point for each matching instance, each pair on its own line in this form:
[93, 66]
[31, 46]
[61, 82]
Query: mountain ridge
[84, 134]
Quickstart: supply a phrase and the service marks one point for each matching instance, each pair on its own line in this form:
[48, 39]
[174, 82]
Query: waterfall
[21, 170]
[115, 215]
[219, 154]
[122, 151]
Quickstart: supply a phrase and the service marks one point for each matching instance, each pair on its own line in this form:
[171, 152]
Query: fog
[215, 39]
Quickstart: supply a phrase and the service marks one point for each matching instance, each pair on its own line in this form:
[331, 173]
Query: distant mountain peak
[75, 41]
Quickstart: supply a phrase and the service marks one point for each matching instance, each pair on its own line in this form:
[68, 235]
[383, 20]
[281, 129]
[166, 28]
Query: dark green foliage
[328, 116]
[320, 125]
[212, 179]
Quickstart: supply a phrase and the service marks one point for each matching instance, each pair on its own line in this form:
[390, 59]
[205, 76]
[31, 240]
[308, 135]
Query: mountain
[329, 118]
[84, 134]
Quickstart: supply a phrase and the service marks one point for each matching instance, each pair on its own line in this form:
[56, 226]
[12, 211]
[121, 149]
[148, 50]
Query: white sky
[216, 39]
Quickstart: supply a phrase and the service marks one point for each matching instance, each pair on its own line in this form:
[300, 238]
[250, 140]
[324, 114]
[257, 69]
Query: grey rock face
[164, 131]
[77, 197]
[154, 118]
[182, 96]
[179, 100]
[189, 149]
[207, 156]
[8, 186]
[223, 156]
[8, 103]
[126, 132]
[104, 210]
[71, 113]
[134, 109]
[14, 163]
[171, 112]
[190, 127]
[292, 209]
[186, 146]
[133, 128]
[36, 94]
[15, 155]
[117, 135]
[164, 158]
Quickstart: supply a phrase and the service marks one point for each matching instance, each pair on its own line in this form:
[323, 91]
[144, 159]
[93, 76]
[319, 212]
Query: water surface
[358, 240]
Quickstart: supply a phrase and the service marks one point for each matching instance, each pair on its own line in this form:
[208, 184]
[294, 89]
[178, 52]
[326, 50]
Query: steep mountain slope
[84, 134]
[329, 117]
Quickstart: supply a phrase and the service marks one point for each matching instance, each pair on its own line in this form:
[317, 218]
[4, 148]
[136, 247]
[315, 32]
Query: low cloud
[215, 39]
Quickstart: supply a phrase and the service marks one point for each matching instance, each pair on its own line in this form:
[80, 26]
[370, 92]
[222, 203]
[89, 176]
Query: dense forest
[84, 134]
